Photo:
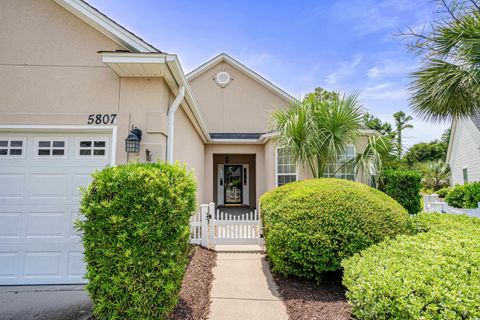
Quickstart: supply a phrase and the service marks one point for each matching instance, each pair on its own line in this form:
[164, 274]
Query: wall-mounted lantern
[227, 159]
[132, 142]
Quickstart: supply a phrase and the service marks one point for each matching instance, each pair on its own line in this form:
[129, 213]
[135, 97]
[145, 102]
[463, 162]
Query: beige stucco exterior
[52, 74]
[189, 150]
[243, 106]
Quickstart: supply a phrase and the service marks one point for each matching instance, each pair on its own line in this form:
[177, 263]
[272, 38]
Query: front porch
[234, 182]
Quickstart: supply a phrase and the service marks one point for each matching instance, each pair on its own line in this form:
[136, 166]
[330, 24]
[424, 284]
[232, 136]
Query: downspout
[171, 121]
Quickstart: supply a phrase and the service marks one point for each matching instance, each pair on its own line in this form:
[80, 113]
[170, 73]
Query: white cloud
[390, 68]
[346, 68]
[384, 91]
[369, 16]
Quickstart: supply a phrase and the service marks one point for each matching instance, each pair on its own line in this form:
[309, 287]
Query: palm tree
[371, 162]
[447, 85]
[437, 175]
[315, 131]
[401, 123]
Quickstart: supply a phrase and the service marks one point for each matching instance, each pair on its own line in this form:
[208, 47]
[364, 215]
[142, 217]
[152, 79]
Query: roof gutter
[177, 72]
[171, 122]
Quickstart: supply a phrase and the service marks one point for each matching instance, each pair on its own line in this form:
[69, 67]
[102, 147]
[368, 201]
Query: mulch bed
[306, 300]
[194, 303]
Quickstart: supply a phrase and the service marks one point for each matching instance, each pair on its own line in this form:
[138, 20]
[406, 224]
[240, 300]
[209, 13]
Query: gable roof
[223, 57]
[107, 26]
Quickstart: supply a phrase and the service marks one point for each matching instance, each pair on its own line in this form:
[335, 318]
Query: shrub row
[311, 225]
[136, 236]
[403, 186]
[432, 275]
[464, 196]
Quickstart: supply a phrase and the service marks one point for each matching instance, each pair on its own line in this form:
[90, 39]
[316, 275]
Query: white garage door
[40, 176]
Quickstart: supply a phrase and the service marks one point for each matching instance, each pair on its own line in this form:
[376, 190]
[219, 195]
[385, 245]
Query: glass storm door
[233, 184]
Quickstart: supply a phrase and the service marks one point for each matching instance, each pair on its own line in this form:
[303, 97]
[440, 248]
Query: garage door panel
[8, 265]
[45, 224]
[12, 187]
[39, 204]
[43, 264]
[11, 223]
[46, 187]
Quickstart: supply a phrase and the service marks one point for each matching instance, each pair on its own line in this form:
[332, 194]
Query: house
[73, 84]
[463, 154]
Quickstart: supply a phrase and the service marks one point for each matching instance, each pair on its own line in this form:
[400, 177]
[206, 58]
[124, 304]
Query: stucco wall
[49, 62]
[52, 74]
[144, 101]
[465, 152]
[190, 150]
[242, 106]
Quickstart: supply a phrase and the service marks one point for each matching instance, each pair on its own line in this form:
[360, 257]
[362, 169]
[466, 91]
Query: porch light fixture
[132, 142]
[227, 158]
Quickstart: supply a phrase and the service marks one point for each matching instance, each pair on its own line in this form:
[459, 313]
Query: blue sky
[345, 45]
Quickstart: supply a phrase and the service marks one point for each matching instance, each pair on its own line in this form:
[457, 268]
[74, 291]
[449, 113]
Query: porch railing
[210, 226]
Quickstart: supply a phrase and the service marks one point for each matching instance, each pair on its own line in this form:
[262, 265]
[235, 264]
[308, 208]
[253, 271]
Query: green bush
[472, 195]
[136, 237]
[466, 196]
[442, 193]
[432, 275]
[403, 186]
[455, 197]
[311, 225]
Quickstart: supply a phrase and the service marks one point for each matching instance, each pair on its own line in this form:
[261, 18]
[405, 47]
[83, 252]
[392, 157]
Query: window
[12, 147]
[92, 147]
[286, 167]
[48, 147]
[465, 175]
[347, 172]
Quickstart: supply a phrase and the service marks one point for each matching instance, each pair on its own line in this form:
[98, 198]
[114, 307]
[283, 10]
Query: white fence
[209, 227]
[432, 203]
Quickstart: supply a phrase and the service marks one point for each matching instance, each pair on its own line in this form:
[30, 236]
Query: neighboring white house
[463, 154]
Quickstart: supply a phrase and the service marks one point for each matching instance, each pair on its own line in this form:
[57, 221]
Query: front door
[233, 184]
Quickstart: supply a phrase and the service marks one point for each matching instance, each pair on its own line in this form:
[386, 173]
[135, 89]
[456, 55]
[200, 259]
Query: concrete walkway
[243, 287]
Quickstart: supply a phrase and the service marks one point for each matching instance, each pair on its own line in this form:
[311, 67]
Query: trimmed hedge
[403, 186]
[432, 275]
[464, 196]
[136, 238]
[311, 225]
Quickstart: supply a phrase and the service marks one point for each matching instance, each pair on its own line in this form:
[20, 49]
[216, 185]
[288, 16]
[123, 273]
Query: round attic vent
[223, 79]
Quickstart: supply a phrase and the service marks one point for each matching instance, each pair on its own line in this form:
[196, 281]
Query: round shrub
[136, 237]
[432, 275]
[311, 225]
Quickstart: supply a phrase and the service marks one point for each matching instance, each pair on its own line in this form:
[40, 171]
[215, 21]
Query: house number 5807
[101, 118]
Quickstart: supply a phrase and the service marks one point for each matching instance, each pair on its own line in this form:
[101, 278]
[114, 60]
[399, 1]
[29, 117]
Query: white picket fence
[432, 203]
[209, 227]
